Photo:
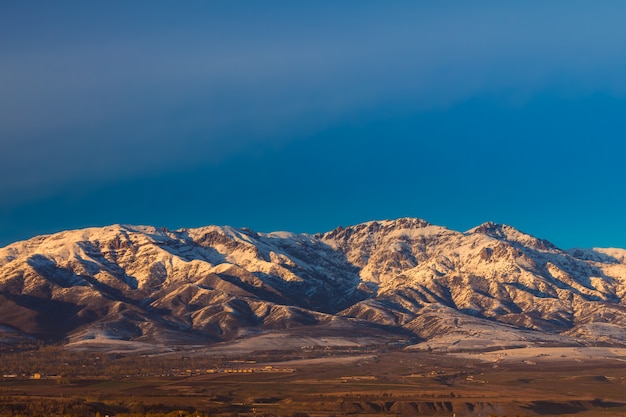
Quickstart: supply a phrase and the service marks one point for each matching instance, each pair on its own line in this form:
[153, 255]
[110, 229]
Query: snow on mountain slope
[211, 281]
[405, 276]
[492, 271]
[382, 250]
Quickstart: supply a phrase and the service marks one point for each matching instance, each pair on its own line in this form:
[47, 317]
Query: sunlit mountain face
[403, 280]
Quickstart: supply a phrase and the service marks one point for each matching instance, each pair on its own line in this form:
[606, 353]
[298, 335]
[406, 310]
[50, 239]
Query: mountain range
[394, 281]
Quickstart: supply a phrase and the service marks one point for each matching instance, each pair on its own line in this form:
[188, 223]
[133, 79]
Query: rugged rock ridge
[403, 278]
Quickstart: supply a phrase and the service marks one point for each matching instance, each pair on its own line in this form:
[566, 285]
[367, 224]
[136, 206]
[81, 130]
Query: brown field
[315, 383]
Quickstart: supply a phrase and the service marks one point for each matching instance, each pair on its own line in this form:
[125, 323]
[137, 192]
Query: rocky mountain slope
[388, 280]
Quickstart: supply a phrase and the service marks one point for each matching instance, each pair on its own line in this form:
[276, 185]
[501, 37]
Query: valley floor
[316, 382]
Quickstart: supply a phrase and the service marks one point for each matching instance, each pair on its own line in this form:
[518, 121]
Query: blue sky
[303, 116]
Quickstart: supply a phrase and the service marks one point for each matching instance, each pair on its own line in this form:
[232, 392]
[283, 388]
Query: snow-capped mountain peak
[512, 235]
[221, 282]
